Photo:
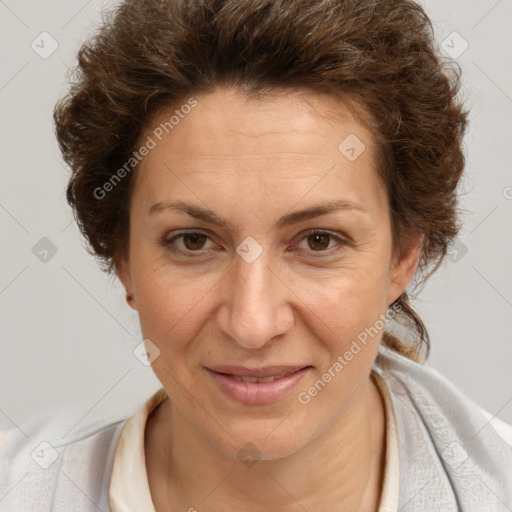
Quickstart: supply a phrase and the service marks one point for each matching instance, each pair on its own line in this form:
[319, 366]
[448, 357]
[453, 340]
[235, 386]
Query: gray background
[68, 335]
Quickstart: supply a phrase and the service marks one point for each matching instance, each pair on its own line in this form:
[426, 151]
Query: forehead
[286, 138]
[226, 116]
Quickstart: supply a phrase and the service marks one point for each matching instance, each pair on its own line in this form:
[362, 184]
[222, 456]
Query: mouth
[256, 379]
[257, 386]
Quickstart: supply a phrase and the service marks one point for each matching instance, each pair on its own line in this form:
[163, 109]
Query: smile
[257, 390]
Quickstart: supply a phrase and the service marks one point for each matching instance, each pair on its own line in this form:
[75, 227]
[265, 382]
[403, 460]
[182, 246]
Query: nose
[257, 305]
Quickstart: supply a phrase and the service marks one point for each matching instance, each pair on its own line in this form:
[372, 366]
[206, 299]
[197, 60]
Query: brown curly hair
[149, 54]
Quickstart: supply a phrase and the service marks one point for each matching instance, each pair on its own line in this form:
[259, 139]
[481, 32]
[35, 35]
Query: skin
[251, 162]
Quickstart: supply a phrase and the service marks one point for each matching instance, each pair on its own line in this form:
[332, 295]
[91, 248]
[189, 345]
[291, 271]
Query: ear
[404, 263]
[124, 273]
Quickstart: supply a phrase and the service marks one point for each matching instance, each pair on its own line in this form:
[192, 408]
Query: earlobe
[124, 275]
[130, 300]
[405, 264]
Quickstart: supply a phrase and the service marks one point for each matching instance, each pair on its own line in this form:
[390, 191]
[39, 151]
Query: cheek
[346, 314]
[169, 305]
[348, 318]
[347, 299]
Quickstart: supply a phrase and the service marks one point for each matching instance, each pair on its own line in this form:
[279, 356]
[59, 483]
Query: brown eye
[188, 244]
[318, 241]
[194, 241]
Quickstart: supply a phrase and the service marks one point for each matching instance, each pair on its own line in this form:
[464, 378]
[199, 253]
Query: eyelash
[341, 242]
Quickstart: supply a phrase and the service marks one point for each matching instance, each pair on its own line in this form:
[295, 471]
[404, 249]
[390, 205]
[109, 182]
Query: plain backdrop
[67, 335]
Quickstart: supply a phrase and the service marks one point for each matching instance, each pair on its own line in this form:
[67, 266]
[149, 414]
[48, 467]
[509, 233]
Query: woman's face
[249, 284]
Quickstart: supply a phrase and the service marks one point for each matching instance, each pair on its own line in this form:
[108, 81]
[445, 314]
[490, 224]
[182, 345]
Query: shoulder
[452, 452]
[432, 392]
[503, 428]
[42, 470]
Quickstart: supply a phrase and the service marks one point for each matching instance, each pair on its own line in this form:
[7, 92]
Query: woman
[266, 179]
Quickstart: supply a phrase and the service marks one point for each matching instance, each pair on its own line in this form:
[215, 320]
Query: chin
[269, 439]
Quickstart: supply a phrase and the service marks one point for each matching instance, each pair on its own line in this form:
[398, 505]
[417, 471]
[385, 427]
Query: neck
[340, 470]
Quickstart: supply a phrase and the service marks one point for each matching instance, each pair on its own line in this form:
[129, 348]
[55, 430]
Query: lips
[258, 373]
[256, 379]
[257, 386]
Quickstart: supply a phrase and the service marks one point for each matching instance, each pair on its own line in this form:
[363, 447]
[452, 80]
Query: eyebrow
[289, 219]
